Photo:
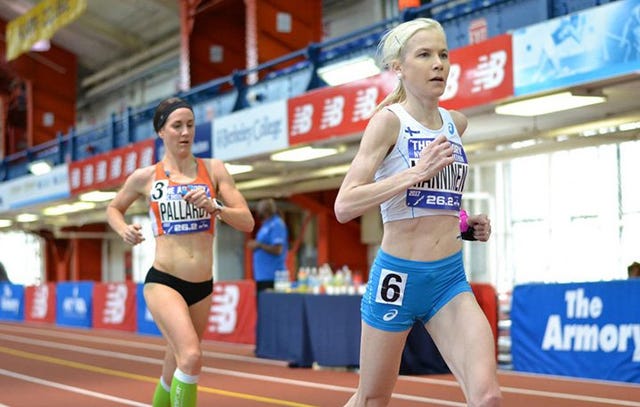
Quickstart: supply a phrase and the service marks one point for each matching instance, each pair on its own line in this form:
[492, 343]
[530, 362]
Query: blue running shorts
[400, 292]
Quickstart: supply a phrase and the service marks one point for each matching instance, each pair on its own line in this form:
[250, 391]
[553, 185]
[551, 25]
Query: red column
[187, 16]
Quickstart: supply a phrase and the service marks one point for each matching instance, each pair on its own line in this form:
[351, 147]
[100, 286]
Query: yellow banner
[40, 23]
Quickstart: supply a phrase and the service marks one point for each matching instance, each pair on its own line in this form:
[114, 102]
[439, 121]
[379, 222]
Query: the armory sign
[579, 329]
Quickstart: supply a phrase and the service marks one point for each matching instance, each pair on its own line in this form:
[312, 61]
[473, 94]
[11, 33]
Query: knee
[489, 398]
[189, 360]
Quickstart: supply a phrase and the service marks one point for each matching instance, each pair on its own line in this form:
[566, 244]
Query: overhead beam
[93, 23]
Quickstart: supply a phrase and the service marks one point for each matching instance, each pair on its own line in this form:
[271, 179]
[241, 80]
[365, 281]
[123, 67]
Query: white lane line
[539, 393]
[586, 380]
[143, 345]
[72, 389]
[442, 382]
[225, 372]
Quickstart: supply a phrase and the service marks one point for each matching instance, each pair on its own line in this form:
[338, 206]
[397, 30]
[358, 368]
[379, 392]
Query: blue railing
[232, 92]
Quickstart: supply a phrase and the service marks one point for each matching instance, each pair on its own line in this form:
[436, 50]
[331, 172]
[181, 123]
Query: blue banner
[73, 304]
[587, 330]
[599, 43]
[144, 321]
[11, 302]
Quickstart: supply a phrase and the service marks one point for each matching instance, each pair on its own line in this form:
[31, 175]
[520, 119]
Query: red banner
[40, 303]
[336, 111]
[110, 169]
[114, 306]
[233, 312]
[480, 74]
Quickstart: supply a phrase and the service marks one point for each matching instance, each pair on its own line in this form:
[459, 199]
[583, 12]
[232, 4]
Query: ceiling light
[98, 196]
[39, 167]
[238, 168]
[548, 104]
[41, 46]
[5, 223]
[629, 126]
[27, 217]
[303, 154]
[68, 208]
[522, 144]
[350, 70]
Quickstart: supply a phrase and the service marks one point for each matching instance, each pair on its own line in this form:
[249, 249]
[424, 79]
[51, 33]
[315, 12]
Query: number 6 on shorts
[391, 286]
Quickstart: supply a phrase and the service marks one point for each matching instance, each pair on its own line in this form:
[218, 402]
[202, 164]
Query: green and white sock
[184, 389]
[161, 397]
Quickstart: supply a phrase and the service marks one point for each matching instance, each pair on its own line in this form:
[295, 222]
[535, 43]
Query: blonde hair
[391, 48]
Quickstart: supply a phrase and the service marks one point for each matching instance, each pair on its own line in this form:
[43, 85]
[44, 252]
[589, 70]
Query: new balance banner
[40, 303]
[233, 312]
[587, 330]
[109, 170]
[114, 306]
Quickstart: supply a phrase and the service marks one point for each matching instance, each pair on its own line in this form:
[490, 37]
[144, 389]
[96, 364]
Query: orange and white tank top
[170, 214]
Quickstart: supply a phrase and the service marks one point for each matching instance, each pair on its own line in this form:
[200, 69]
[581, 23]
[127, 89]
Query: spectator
[270, 245]
[634, 270]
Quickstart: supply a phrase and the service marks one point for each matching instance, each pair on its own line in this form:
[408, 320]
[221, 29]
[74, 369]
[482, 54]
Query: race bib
[391, 285]
[444, 191]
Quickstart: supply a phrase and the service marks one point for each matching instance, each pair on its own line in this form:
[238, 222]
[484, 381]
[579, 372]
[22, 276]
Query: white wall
[21, 255]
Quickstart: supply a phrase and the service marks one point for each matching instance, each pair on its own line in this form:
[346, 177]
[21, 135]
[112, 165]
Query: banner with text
[232, 317]
[252, 131]
[40, 303]
[40, 23]
[587, 330]
[114, 306]
[73, 303]
[35, 189]
[11, 302]
[480, 74]
[110, 169]
[336, 111]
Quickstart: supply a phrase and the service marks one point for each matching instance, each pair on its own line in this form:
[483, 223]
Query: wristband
[466, 231]
[464, 226]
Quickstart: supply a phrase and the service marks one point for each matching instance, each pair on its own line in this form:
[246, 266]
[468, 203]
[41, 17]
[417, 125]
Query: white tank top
[441, 195]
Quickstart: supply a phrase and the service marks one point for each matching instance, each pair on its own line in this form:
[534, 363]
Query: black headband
[161, 116]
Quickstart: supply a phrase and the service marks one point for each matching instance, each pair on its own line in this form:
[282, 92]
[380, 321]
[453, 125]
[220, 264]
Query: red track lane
[48, 365]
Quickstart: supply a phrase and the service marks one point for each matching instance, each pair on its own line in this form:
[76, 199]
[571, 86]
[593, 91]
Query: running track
[47, 365]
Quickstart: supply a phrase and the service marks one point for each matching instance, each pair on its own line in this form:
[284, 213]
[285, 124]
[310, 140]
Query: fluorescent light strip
[303, 154]
[238, 168]
[27, 217]
[97, 196]
[547, 104]
[68, 208]
[348, 71]
[39, 167]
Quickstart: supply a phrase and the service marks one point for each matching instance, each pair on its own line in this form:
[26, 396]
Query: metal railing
[299, 67]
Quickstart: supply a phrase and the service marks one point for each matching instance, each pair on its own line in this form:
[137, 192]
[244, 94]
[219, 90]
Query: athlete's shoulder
[460, 120]
[385, 119]
[140, 177]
